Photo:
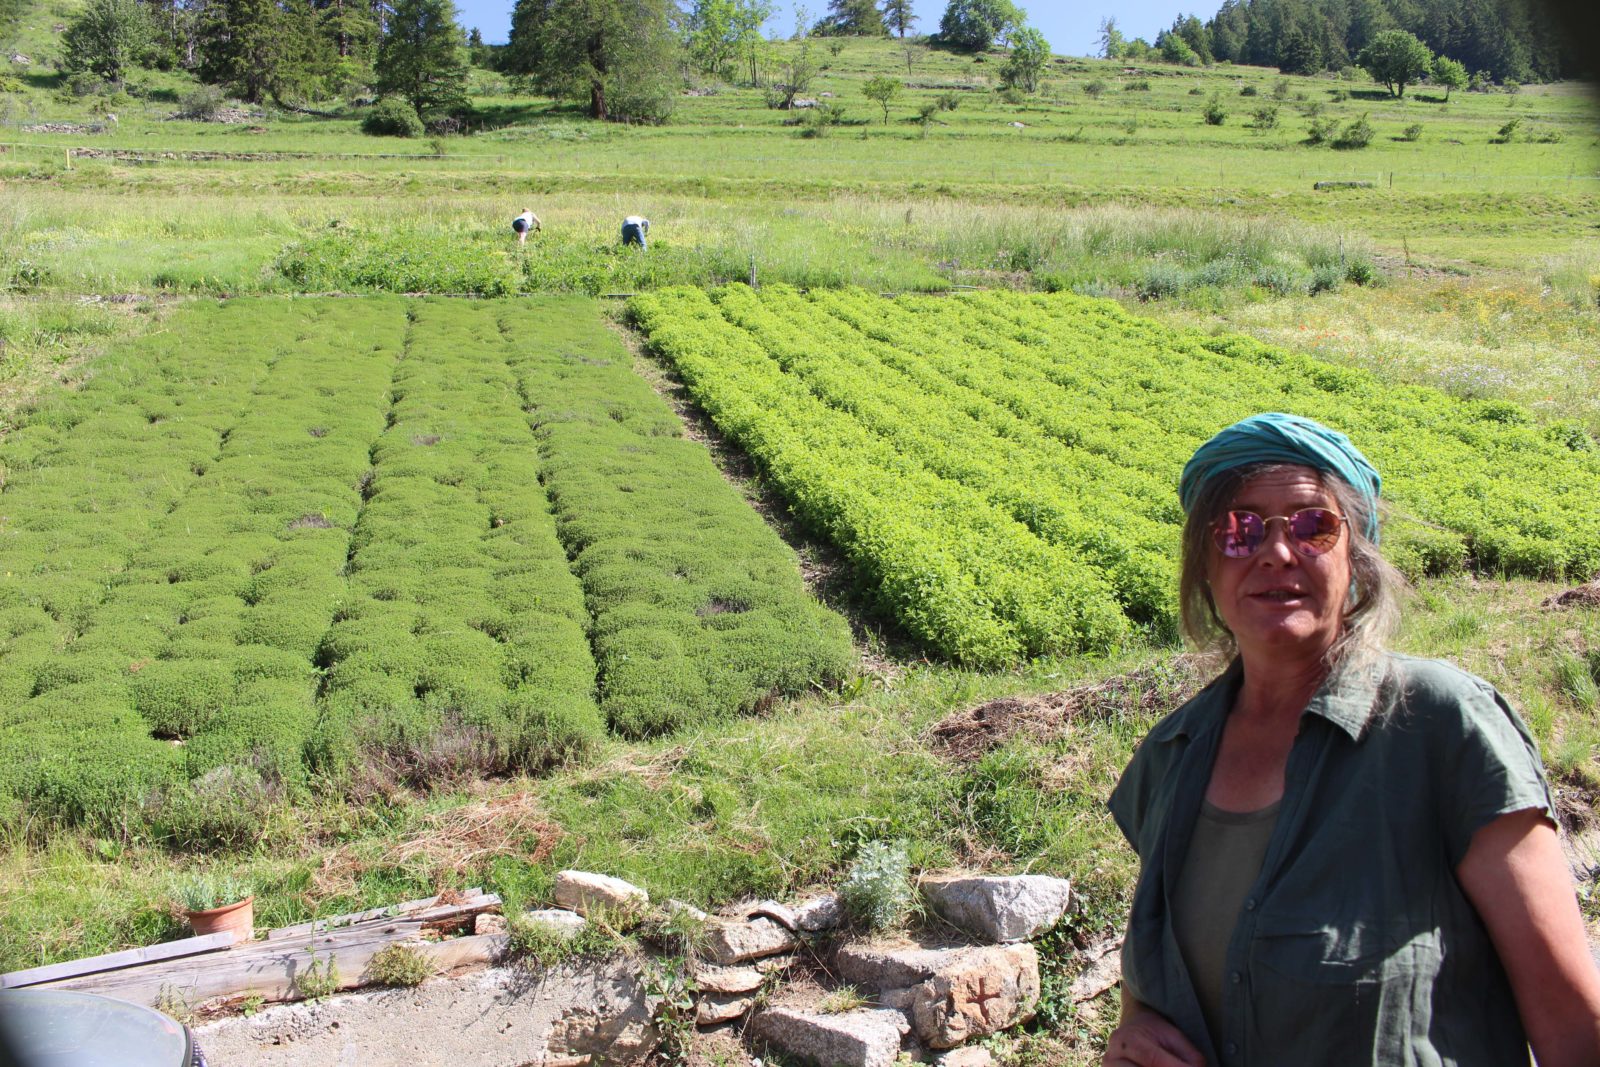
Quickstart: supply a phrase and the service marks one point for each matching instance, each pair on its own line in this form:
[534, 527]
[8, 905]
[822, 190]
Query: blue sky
[1070, 26]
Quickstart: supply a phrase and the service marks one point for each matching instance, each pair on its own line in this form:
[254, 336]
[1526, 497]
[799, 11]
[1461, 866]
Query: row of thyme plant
[461, 648]
[698, 606]
[1064, 421]
[314, 543]
[164, 591]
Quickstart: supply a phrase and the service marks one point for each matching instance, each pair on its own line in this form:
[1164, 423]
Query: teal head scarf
[1278, 438]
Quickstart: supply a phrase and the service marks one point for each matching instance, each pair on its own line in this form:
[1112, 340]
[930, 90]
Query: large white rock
[581, 891]
[864, 1038]
[999, 908]
[728, 942]
[820, 913]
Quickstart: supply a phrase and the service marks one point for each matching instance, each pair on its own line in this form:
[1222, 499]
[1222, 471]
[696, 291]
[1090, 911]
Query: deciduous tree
[1397, 59]
[882, 89]
[1030, 53]
[975, 25]
[620, 55]
[1450, 74]
[423, 57]
[1111, 42]
[107, 38]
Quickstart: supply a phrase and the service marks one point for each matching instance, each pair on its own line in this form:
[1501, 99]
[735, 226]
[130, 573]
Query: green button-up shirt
[1355, 944]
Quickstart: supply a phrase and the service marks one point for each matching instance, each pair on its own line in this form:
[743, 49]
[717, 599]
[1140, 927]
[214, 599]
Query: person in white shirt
[523, 223]
[635, 229]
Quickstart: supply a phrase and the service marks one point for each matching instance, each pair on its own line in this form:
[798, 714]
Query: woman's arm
[1516, 878]
[1144, 1038]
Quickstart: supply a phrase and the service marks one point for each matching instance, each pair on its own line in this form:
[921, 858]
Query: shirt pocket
[1337, 994]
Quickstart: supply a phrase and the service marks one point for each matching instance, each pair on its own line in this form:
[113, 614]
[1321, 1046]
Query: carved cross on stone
[982, 997]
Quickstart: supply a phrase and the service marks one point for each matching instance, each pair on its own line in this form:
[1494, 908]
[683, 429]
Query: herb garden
[1000, 467]
[367, 539]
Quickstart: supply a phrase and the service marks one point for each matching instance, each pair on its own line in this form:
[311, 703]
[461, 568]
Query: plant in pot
[214, 903]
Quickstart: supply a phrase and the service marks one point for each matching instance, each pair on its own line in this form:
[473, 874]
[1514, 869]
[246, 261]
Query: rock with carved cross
[982, 992]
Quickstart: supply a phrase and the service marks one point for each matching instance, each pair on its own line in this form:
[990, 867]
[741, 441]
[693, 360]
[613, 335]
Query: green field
[348, 546]
[373, 542]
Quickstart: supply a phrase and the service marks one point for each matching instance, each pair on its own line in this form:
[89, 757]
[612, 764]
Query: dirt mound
[1583, 596]
[964, 736]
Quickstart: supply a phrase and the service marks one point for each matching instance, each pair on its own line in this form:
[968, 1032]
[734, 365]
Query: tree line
[624, 59]
[1506, 40]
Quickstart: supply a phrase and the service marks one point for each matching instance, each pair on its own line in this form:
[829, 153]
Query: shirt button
[1235, 978]
[1250, 905]
[1231, 1049]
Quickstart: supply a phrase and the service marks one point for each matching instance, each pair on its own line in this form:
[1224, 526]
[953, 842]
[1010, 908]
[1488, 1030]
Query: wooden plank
[471, 898]
[132, 957]
[269, 968]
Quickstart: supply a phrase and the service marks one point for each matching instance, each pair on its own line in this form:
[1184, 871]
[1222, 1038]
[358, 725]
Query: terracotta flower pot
[238, 918]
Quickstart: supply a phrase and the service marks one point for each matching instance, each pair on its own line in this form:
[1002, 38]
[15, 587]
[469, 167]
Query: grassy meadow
[1469, 268]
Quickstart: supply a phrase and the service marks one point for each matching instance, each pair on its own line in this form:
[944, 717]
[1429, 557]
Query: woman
[523, 223]
[1347, 856]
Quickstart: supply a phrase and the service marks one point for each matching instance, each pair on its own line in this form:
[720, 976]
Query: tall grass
[209, 244]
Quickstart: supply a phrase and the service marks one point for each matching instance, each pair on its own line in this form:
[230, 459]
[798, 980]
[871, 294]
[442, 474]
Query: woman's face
[1277, 602]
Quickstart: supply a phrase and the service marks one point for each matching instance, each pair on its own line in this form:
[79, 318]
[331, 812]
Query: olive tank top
[1224, 859]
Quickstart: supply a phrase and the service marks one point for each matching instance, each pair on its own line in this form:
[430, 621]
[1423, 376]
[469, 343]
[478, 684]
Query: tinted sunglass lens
[1315, 530]
[1240, 533]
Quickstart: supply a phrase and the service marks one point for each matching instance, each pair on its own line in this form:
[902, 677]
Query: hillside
[333, 514]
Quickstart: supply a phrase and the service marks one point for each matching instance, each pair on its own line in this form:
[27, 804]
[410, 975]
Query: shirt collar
[1346, 699]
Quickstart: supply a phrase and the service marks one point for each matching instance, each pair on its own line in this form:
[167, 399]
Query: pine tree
[897, 15]
[422, 57]
[852, 18]
[242, 46]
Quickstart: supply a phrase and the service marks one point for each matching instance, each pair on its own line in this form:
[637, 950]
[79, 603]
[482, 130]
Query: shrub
[819, 121]
[1321, 131]
[399, 965]
[1280, 89]
[1361, 271]
[393, 117]
[224, 809]
[1138, 85]
[1357, 134]
[1412, 132]
[1507, 133]
[202, 104]
[1326, 277]
[877, 892]
[1215, 114]
[1094, 88]
[1161, 280]
[1264, 118]
[1012, 95]
[1249, 90]
[1196, 91]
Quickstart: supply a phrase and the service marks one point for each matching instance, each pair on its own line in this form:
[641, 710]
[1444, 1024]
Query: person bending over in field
[1347, 856]
[523, 223]
[635, 229]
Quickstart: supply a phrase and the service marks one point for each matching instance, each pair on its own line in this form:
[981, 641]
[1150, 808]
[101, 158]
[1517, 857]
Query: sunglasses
[1312, 532]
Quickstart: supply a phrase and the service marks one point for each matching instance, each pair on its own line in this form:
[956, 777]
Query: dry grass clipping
[448, 845]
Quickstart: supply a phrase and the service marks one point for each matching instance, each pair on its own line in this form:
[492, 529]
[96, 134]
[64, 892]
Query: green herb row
[298, 543]
[698, 606]
[1025, 450]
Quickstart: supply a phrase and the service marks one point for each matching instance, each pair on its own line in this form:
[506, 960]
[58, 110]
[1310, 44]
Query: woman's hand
[1145, 1038]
